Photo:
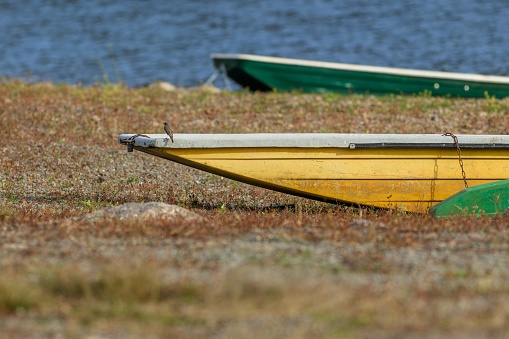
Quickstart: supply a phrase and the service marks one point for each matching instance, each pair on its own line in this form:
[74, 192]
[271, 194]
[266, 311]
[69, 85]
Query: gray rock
[150, 211]
[165, 86]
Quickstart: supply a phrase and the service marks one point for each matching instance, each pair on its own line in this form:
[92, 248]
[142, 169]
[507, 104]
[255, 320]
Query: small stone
[145, 212]
[165, 86]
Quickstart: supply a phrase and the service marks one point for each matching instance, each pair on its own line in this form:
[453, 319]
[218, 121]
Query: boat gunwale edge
[315, 140]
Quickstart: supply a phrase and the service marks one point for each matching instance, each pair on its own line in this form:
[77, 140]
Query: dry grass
[250, 269]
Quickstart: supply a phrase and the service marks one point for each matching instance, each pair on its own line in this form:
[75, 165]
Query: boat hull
[486, 199]
[384, 175]
[282, 74]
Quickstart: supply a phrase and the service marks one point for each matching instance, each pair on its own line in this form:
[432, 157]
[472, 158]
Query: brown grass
[252, 268]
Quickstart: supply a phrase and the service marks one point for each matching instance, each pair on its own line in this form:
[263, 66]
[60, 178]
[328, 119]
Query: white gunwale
[314, 140]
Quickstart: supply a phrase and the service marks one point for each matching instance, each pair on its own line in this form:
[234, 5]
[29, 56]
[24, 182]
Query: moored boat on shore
[263, 73]
[409, 172]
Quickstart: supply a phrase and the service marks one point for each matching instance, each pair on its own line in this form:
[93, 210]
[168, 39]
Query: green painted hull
[259, 73]
[485, 199]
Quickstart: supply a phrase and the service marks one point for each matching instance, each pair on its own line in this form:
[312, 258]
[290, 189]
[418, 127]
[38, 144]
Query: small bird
[168, 131]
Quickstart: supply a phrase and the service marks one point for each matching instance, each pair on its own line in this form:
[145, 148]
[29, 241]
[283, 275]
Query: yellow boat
[409, 172]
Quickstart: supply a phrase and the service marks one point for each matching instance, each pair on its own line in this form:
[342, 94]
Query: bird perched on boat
[168, 131]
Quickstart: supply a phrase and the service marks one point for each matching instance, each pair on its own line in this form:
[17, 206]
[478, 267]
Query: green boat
[485, 199]
[262, 73]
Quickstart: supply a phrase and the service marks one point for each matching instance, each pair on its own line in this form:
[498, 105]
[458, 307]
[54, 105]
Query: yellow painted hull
[409, 179]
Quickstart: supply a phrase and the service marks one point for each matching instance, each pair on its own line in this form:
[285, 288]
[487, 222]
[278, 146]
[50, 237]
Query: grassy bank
[248, 270]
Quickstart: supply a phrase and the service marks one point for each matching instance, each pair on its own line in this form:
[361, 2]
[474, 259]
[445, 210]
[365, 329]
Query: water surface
[139, 42]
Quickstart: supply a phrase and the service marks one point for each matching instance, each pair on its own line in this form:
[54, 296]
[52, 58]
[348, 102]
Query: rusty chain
[458, 150]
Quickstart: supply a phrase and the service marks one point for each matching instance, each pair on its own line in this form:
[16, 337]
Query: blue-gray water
[139, 42]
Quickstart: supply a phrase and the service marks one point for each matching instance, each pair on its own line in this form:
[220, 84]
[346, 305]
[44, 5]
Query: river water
[138, 42]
